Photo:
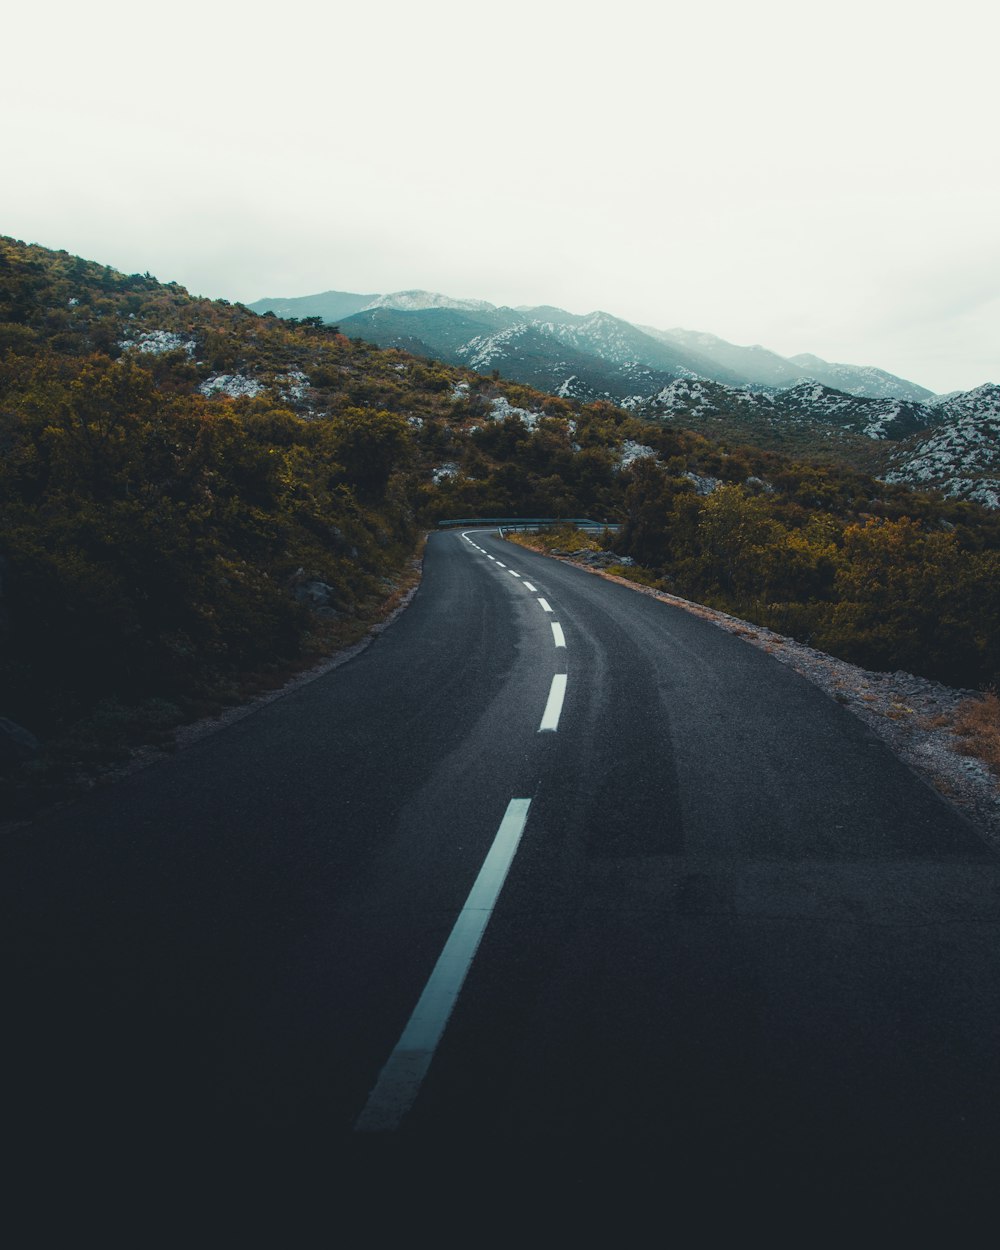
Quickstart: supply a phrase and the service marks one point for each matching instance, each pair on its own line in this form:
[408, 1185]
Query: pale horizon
[810, 181]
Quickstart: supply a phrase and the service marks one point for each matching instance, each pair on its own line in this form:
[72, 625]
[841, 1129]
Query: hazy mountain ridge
[756, 365]
[329, 305]
[762, 367]
[620, 343]
[526, 353]
[685, 353]
[440, 321]
[861, 380]
[419, 300]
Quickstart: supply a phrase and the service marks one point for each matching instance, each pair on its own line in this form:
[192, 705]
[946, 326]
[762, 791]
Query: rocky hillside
[951, 444]
[960, 455]
[803, 406]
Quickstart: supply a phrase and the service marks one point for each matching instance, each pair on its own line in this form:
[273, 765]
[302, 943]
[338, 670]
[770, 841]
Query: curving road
[719, 919]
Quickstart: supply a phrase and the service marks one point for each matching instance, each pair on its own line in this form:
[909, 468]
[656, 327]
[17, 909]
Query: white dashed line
[553, 708]
[557, 634]
[545, 604]
[501, 565]
[513, 574]
[529, 586]
[399, 1081]
[493, 558]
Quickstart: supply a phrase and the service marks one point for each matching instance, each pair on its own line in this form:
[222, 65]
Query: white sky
[813, 178]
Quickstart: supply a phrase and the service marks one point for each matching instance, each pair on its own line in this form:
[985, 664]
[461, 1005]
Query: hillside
[196, 500]
[952, 444]
[960, 453]
[859, 417]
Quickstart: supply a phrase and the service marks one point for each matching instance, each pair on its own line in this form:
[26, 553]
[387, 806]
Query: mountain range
[586, 357]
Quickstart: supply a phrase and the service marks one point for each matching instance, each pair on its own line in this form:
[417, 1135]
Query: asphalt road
[735, 926]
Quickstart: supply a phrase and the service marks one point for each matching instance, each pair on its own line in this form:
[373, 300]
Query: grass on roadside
[978, 728]
[566, 539]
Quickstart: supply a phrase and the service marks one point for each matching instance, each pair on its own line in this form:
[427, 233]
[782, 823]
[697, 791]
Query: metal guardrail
[527, 523]
[591, 527]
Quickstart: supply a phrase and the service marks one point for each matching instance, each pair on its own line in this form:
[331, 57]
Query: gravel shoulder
[914, 716]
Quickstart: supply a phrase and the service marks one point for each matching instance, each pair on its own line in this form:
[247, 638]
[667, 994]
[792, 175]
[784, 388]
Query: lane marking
[501, 565]
[545, 605]
[399, 1081]
[513, 574]
[533, 589]
[553, 708]
[558, 635]
[493, 558]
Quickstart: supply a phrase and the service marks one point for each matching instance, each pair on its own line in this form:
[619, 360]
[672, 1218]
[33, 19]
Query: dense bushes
[152, 544]
[883, 589]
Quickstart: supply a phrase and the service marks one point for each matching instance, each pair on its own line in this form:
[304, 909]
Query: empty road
[719, 919]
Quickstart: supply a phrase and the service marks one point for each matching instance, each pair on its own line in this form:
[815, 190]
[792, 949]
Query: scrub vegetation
[196, 501]
[883, 579]
[978, 728]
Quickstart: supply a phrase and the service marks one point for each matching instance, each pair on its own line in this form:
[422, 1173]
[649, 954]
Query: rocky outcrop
[596, 559]
[320, 596]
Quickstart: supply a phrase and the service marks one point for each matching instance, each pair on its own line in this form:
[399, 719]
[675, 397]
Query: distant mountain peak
[417, 301]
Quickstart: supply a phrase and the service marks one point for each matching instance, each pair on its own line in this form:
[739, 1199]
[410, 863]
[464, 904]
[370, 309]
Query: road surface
[722, 920]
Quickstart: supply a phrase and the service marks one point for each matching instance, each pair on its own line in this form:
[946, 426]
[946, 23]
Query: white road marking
[558, 635]
[400, 1080]
[501, 565]
[513, 574]
[553, 708]
[533, 589]
[545, 605]
[493, 558]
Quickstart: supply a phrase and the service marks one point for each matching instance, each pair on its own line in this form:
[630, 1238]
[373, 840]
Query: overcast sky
[811, 177]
